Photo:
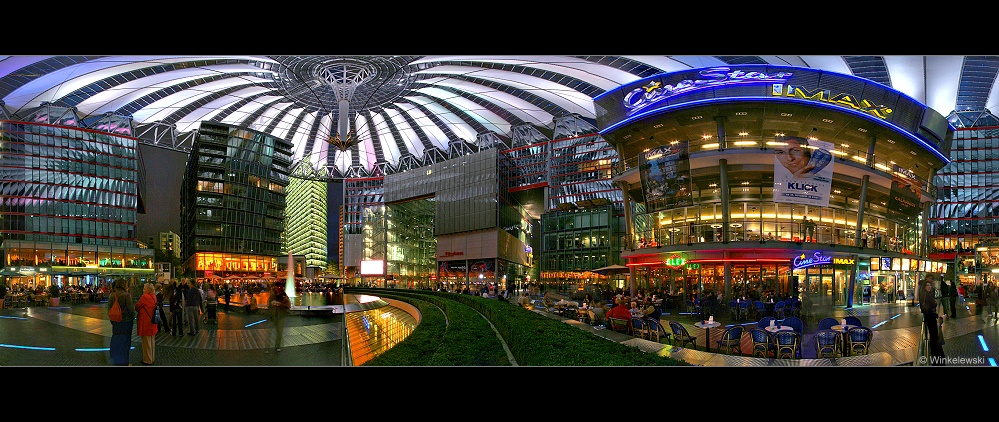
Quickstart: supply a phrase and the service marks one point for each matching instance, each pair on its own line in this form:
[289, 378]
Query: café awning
[611, 269]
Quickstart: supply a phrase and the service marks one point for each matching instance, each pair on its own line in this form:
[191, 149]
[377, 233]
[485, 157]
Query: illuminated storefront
[773, 178]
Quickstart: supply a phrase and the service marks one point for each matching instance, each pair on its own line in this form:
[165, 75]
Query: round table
[707, 326]
[843, 329]
[775, 328]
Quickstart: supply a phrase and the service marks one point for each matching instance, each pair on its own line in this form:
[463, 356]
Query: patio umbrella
[611, 269]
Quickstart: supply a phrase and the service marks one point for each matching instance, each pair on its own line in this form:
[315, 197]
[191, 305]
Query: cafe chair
[779, 309]
[620, 325]
[796, 308]
[731, 340]
[787, 344]
[794, 322]
[858, 340]
[680, 335]
[827, 323]
[639, 328]
[828, 343]
[657, 331]
[763, 347]
[852, 320]
[761, 309]
[744, 310]
[765, 322]
[733, 310]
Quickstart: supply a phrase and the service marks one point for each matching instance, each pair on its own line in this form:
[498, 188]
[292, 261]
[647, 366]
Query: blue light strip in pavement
[13, 317]
[254, 323]
[14, 346]
[992, 361]
[981, 340]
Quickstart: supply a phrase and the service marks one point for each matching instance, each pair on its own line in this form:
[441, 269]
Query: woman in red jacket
[147, 330]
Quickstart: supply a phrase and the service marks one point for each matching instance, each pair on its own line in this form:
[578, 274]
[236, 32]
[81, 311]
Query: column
[725, 197]
[860, 210]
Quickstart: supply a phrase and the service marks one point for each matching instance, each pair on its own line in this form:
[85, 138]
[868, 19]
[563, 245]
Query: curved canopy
[402, 106]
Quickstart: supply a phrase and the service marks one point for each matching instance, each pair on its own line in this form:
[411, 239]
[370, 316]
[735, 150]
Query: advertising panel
[903, 204]
[665, 173]
[803, 171]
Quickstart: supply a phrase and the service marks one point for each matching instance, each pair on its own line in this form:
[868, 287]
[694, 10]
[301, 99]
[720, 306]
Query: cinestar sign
[804, 261]
[656, 91]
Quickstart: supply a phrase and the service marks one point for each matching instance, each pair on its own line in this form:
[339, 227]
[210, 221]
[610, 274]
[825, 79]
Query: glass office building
[233, 202]
[305, 232]
[965, 219]
[68, 200]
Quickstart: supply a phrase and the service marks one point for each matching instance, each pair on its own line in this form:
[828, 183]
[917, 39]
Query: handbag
[156, 316]
[114, 312]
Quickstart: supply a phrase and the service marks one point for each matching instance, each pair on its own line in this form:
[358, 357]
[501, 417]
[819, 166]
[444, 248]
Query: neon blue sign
[655, 91]
[803, 261]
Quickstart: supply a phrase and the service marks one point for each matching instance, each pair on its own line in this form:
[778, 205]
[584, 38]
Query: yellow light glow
[744, 143]
[709, 146]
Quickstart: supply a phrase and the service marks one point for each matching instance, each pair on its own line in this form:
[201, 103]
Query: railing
[690, 234]
[855, 156]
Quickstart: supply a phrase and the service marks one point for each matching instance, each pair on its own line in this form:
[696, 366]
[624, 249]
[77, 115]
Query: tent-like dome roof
[405, 106]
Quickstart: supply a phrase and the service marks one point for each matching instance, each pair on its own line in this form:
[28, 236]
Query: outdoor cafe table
[843, 329]
[707, 326]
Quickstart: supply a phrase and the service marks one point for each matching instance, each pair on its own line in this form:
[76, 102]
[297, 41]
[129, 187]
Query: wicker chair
[852, 320]
[828, 343]
[639, 327]
[787, 344]
[620, 325]
[827, 323]
[731, 340]
[657, 331]
[681, 335]
[763, 346]
[794, 322]
[858, 340]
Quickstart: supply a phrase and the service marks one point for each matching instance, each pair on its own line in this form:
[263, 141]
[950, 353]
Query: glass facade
[966, 213]
[305, 232]
[233, 194]
[69, 197]
[68, 184]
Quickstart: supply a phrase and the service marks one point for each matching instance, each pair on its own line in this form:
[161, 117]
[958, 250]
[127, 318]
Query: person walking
[121, 332]
[928, 306]
[948, 297]
[177, 309]
[192, 308]
[147, 329]
[278, 304]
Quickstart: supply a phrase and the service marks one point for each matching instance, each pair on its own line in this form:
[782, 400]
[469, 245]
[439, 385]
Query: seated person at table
[635, 310]
[597, 311]
[651, 311]
[620, 310]
[525, 302]
[547, 301]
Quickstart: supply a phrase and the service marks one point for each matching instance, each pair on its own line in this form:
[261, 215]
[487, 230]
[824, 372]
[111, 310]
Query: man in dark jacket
[177, 308]
[192, 308]
[948, 296]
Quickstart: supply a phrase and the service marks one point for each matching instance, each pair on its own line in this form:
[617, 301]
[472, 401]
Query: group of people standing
[188, 304]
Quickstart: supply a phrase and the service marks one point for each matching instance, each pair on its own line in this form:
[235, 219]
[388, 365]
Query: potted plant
[54, 293]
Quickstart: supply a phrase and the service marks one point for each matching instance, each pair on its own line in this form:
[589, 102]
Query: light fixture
[735, 225]
[716, 226]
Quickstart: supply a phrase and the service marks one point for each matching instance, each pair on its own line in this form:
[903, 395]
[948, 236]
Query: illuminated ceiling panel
[413, 102]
